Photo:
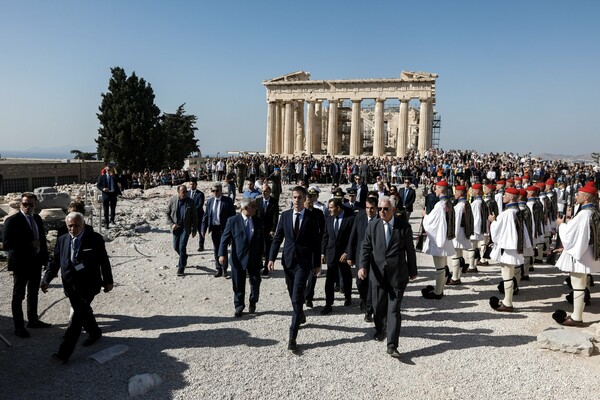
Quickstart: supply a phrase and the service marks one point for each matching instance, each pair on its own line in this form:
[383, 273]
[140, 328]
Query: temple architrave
[296, 114]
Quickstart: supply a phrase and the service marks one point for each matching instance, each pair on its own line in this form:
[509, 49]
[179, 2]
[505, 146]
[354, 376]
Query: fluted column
[355, 149]
[424, 126]
[269, 148]
[310, 126]
[288, 135]
[378, 134]
[318, 139]
[332, 128]
[402, 139]
[278, 131]
[299, 122]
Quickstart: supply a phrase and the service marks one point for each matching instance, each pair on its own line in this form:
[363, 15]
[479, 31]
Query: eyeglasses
[28, 204]
[384, 209]
[214, 190]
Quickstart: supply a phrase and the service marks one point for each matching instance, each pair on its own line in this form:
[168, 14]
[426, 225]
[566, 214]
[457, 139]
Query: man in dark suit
[310, 204]
[198, 196]
[25, 241]
[85, 268]
[388, 256]
[361, 188]
[245, 234]
[334, 170]
[300, 256]
[267, 209]
[352, 203]
[108, 184]
[218, 209]
[354, 252]
[181, 215]
[336, 236]
[407, 196]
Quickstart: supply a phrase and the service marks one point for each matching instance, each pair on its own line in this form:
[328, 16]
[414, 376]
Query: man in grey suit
[181, 214]
[388, 256]
[245, 234]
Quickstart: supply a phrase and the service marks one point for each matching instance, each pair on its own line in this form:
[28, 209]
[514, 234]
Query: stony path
[183, 329]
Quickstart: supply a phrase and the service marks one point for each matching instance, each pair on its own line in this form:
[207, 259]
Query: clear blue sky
[513, 75]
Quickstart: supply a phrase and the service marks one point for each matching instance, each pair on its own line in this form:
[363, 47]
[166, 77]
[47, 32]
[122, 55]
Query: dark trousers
[180, 240]
[200, 214]
[83, 317]
[386, 305]
[309, 292]
[238, 280]
[365, 293]
[216, 233]
[29, 280]
[109, 200]
[268, 242]
[333, 276]
[295, 279]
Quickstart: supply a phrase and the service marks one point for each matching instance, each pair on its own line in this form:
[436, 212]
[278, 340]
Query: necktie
[296, 225]
[265, 204]
[33, 227]
[248, 230]
[388, 234]
[216, 212]
[74, 249]
[336, 225]
[405, 195]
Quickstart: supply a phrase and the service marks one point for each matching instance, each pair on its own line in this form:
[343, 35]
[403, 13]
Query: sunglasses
[28, 204]
[214, 190]
[385, 209]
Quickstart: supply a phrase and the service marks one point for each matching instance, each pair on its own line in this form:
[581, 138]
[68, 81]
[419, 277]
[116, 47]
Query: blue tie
[75, 249]
[248, 231]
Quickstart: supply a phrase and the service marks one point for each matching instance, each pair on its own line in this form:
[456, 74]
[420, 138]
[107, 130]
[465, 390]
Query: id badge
[79, 267]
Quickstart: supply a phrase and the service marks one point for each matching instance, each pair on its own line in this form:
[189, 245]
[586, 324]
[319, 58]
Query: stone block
[566, 340]
[44, 190]
[53, 200]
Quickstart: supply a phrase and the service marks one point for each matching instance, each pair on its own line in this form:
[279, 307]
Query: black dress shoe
[326, 310]
[91, 340]
[368, 318]
[379, 336]
[38, 324]
[393, 352]
[201, 248]
[218, 273]
[252, 308]
[265, 272]
[58, 358]
[22, 333]
[348, 303]
[292, 346]
[226, 274]
[302, 319]
[336, 288]
[238, 314]
[309, 303]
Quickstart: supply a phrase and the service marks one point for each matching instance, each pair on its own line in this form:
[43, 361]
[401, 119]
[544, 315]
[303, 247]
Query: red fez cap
[510, 180]
[532, 188]
[541, 185]
[442, 183]
[522, 192]
[491, 186]
[460, 187]
[590, 183]
[589, 189]
[518, 178]
[512, 191]
[476, 186]
[500, 182]
[550, 182]
[526, 177]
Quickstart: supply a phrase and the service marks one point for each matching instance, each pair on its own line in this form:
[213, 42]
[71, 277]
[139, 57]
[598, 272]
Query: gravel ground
[183, 329]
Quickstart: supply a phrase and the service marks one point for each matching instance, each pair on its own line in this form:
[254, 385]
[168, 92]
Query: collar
[444, 198]
[477, 197]
[462, 199]
[586, 206]
[512, 205]
[391, 222]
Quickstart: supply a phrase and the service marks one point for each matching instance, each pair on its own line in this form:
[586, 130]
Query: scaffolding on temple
[435, 131]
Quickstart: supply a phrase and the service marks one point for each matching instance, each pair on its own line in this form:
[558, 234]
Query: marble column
[402, 139]
[318, 139]
[424, 126]
[378, 145]
[299, 123]
[270, 146]
[310, 127]
[278, 130]
[332, 128]
[355, 149]
[288, 130]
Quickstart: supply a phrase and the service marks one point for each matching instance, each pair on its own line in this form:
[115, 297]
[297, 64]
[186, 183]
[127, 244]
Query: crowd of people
[506, 209]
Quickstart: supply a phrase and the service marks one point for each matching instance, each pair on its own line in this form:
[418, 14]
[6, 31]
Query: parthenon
[289, 132]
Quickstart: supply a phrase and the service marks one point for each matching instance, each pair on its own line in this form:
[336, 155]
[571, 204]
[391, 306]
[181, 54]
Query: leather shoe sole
[379, 336]
[394, 353]
[218, 274]
[309, 303]
[22, 333]
[368, 318]
[571, 322]
[504, 308]
[91, 340]
[453, 282]
[252, 309]
[238, 314]
[38, 324]
[292, 346]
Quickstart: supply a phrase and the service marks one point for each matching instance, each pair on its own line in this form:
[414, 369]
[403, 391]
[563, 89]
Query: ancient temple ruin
[306, 116]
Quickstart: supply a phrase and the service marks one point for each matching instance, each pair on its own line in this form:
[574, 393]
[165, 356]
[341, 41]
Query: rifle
[421, 237]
